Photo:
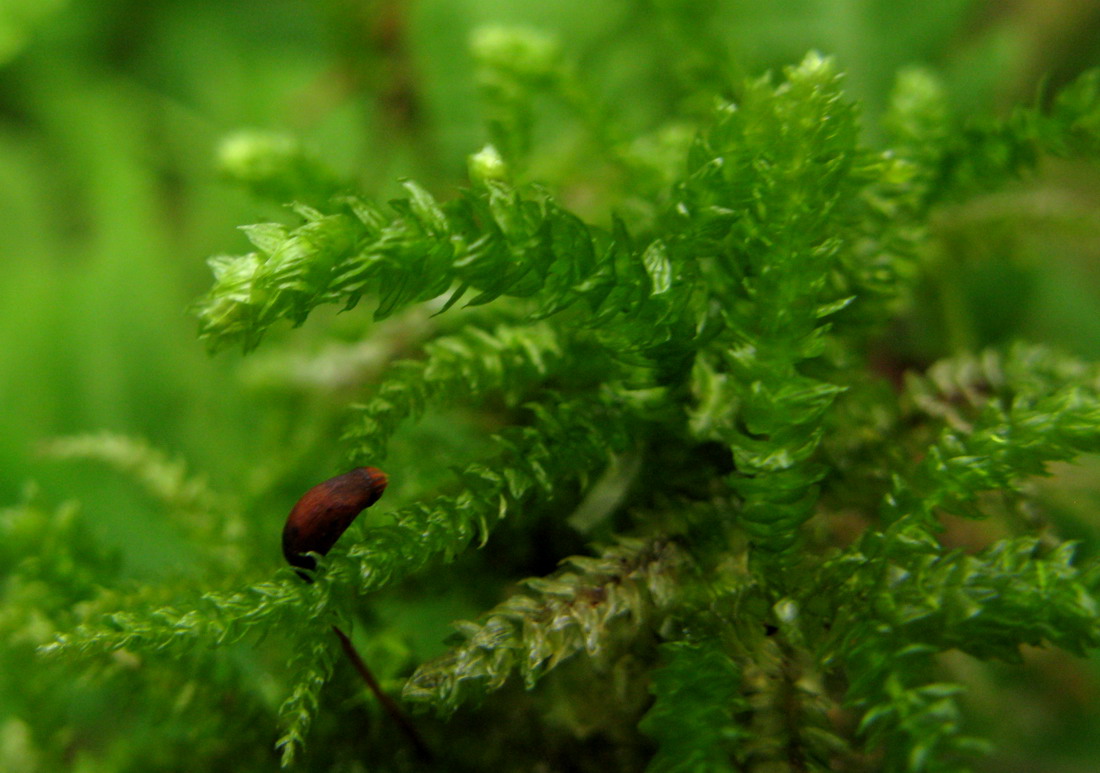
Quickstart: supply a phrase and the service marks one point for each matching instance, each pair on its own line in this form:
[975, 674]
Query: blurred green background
[111, 113]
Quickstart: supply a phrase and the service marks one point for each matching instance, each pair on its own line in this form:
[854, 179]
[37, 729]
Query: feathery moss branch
[581, 608]
[915, 599]
[777, 230]
[566, 444]
[1032, 417]
[206, 516]
[467, 365]
[692, 718]
[312, 668]
[953, 157]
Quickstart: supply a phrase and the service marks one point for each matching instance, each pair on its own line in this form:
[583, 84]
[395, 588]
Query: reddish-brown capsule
[326, 511]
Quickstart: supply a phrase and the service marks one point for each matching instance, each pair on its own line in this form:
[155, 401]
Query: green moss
[701, 391]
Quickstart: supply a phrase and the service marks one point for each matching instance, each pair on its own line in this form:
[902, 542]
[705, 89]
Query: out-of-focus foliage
[699, 389]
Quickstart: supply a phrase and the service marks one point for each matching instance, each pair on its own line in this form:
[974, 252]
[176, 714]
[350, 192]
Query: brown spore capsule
[326, 511]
